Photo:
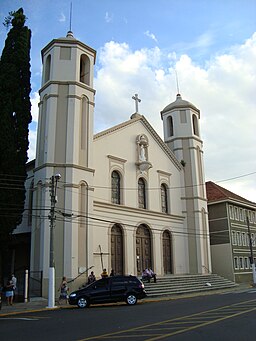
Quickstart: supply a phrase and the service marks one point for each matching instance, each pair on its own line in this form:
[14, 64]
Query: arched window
[195, 125]
[47, 68]
[170, 125]
[142, 193]
[115, 188]
[84, 69]
[164, 198]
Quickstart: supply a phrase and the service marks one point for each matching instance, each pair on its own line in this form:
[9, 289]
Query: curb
[21, 308]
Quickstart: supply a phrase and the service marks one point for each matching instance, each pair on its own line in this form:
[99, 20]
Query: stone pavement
[40, 304]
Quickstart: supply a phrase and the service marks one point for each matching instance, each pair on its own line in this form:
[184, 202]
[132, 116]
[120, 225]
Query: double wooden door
[143, 249]
[117, 250]
[167, 252]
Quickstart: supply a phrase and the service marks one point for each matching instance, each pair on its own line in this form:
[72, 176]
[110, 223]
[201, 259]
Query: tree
[15, 116]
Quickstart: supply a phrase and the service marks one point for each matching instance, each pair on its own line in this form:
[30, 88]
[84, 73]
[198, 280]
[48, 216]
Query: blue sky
[140, 44]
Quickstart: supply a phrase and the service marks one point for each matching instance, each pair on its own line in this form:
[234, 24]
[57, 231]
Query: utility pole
[251, 250]
[52, 218]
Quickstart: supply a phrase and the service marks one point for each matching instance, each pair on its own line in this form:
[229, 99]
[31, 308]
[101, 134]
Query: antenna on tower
[70, 33]
[70, 17]
[177, 81]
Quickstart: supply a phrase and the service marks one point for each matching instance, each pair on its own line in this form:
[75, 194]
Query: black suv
[109, 289]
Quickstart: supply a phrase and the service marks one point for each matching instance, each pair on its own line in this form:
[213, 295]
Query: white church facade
[127, 199]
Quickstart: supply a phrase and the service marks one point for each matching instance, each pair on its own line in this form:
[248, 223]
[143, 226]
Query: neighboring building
[229, 237]
[126, 199]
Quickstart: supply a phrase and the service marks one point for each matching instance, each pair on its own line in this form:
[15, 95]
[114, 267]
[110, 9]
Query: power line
[124, 188]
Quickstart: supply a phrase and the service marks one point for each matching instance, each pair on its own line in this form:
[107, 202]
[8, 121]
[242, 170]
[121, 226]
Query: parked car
[110, 289]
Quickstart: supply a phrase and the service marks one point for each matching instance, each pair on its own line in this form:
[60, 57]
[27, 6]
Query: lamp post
[51, 285]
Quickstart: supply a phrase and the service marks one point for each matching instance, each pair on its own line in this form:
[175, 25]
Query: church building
[126, 199]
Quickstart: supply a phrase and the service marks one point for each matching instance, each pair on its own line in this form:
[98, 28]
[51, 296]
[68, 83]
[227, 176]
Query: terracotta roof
[215, 192]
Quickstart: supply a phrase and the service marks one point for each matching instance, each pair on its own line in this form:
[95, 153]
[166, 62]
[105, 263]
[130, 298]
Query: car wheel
[83, 302]
[131, 299]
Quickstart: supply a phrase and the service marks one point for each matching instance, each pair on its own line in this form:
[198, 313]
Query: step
[170, 285]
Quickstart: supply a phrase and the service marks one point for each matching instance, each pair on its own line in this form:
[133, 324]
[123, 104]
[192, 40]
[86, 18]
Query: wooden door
[117, 249]
[143, 249]
[167, 253]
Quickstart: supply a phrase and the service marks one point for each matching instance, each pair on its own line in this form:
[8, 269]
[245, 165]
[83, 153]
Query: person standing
[9, 292]
[14, 281]
[63, 290]
[104, 273]
[112, 272]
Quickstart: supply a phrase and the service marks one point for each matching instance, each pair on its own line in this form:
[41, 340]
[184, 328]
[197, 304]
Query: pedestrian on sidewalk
[15, 290]
[63, 288]
[9, 292]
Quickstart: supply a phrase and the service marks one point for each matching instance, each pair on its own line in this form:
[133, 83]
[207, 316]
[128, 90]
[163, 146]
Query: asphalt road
[214, 317]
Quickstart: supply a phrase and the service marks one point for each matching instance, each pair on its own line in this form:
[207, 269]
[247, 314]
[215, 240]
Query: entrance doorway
[143, 248]
[117, 249]
[167, 252]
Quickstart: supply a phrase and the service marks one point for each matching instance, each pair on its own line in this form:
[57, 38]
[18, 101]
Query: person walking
[63, 290]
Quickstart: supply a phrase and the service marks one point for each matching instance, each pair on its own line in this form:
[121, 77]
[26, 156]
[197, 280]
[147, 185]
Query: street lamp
[51, 285]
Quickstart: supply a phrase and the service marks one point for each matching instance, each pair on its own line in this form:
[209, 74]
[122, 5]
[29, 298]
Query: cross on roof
[137, 101]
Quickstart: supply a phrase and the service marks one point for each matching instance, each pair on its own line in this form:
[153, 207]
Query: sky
[204, 49]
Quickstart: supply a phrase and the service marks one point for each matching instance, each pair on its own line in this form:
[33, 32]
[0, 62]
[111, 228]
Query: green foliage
[17, 19]
[15, 117]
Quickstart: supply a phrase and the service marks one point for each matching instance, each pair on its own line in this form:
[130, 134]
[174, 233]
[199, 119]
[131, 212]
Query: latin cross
[137, 101]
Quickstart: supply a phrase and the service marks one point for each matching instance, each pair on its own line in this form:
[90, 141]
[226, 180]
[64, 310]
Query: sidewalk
[40, 304]
[36, 304]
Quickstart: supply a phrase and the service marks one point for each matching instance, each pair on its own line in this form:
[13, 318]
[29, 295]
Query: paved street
[225, 316]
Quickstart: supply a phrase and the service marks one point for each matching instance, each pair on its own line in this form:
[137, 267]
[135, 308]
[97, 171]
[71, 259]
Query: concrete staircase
[174, 285]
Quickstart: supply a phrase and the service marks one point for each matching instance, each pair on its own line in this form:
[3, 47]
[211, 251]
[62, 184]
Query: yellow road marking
[233, 307]
[200, 325]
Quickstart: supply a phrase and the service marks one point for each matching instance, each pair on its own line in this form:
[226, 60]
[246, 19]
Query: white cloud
[151, 36]
[62, 17]
[34, 99]
[200, 45]
[32, 144]
[223, 90]
[108, 17]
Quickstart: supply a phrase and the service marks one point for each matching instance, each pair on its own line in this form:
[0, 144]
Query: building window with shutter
[142, 193]
[115, 188]
[164, 198]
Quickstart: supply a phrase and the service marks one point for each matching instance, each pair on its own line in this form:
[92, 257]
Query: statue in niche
[142, 156]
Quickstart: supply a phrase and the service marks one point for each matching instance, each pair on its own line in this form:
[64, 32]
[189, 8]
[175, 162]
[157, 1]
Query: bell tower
[64, 146]
[182, 135]
[66, 103]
